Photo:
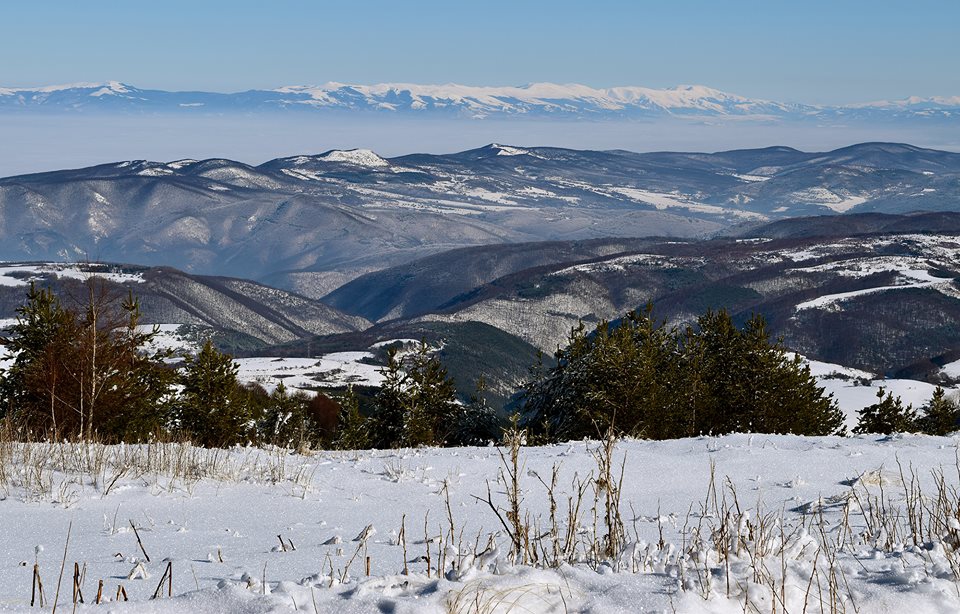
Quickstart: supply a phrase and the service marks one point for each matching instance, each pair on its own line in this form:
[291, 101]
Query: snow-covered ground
[855, 389]
[911, 279]
[22, 274]
[218, 519]
[665, 201]
[336, 369]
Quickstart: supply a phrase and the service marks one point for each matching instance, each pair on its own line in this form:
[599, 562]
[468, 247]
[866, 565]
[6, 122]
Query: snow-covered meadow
[730, 524]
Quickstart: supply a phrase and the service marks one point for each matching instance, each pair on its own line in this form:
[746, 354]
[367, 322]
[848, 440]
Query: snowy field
[336, 369]
[785, 524]
[23, 274]
[854, 389]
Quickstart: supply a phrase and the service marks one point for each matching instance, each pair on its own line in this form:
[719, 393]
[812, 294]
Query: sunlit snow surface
[854, 389]
[220, 531]
[218, 527]
[911, 279]
[22, 274]
[336, 369]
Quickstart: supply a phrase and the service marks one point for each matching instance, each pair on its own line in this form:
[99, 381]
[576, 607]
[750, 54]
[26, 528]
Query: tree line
[641, 378]
[938, 416]
[86, 370]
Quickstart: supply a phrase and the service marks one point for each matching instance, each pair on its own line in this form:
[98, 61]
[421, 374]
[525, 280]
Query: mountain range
[548, 100]
[311, 223]
[494, 253]
[875, 291]
[879, 292]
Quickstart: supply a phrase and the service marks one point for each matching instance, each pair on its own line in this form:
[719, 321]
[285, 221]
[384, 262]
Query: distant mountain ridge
[451, 100]
[313, 222]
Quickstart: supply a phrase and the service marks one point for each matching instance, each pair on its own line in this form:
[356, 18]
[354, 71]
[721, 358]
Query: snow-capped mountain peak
[111, 88]
[541, 99]
[356, 157]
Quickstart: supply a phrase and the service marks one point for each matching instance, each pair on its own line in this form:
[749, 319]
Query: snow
[839, 202]
[218, 527]
[111, 89]
[918, 279]
[751, 178]
[913, 267]
[488, 195]
[535, 192]
[951, 369]
[179, 338]
[357, 157]
[238, 176]
[48, 89]
[21, 274]
[622, 263]
[330, 370]
[544, 99]
[505, 150]
[663, 201]
[550, 97]
[855, 389]
[155, 171]
[179, 164]
[402, 342]
[8, 278]
[302, 174]
[910, 101]
[929, 247]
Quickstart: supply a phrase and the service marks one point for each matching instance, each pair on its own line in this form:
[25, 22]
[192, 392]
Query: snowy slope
[330, 370]
[855, 389]
[221, 525]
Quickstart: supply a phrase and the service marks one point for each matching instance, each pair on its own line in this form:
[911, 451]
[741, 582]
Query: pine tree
[84, 371]
[554, 401]
[391, 405]
[30, 387]
[416, 402]
[940, 415]
[886, 416]
[278, 424]
[476, 423]
[129, 389]
[431, 400]
[212, 408]
[352, 431]
[693, 403]
[641, 379]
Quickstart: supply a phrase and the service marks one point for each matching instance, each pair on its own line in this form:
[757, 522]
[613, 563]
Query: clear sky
[816, 51]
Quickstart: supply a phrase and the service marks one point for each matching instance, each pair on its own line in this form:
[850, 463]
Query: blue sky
[811, 51]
